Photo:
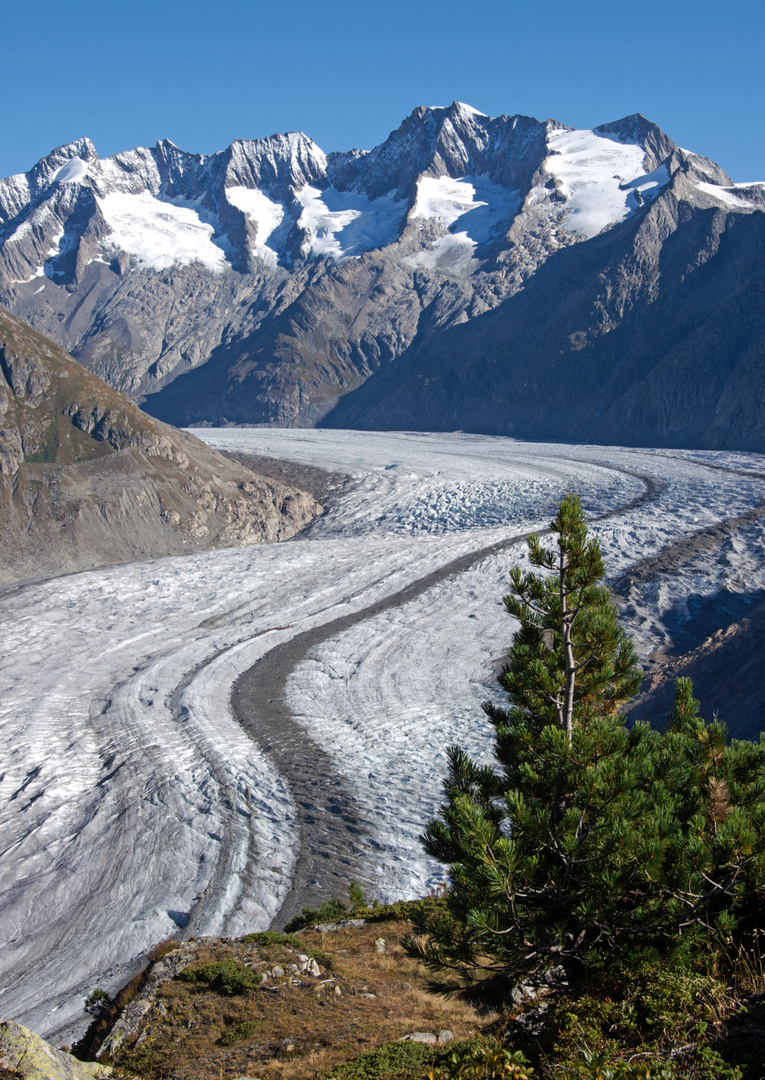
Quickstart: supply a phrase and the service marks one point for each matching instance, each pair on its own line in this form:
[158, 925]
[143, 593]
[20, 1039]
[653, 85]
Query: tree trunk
[566, 628]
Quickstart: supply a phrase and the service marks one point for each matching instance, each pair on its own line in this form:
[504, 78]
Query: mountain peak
[466, 110]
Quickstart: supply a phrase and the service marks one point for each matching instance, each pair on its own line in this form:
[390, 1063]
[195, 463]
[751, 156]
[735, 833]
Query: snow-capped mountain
[498, 274]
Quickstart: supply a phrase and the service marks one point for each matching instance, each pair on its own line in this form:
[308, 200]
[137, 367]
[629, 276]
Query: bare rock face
[86, 479]
[27, 1055]
[498, 274]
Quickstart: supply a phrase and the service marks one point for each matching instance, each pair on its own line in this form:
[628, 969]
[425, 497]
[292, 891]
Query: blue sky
[347, 73]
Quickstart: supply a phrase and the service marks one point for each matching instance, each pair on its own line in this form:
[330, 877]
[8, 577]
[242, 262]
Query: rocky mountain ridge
[86, 479]
[500, 274]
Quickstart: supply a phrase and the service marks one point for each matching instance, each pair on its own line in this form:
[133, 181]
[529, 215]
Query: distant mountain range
[499, 275]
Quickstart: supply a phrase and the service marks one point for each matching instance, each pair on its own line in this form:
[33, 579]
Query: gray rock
[23, 1051]
[428, 1037]
[343, 924]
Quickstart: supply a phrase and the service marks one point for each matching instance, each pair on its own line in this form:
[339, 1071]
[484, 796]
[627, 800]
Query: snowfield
[599, 177]
[133, 805]
[159, 233]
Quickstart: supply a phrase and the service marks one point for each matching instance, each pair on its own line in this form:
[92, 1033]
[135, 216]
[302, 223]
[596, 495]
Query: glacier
[134, 806]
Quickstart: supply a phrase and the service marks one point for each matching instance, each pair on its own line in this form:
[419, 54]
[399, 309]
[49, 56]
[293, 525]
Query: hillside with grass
[87, 479]
[342, 1000]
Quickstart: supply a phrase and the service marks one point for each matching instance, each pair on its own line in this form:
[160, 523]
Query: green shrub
[97, 1002]
[641, 1012]
[597, 1067]
[394, 1061]
[225, 977]
[236, 1034]
[330, 911]
[398, 911]
[480, 1059]
[272, 937]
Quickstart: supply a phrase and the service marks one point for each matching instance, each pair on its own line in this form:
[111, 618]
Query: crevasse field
[134, 805]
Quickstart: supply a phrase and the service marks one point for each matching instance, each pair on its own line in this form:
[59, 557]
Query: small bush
[480, 1059]
[597, 1067]
[225, 977]
[97, 1002]
[356, 896]
[394, 1061]
[398, 911]
[272, 937]
[645, 1012]
[246, 1030]
[330, 911]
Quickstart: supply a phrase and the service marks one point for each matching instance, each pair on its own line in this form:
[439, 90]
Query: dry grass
[294, 1026]
[749, 968]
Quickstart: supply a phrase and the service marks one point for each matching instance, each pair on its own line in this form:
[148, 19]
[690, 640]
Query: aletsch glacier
[492, 274]
[134, 805]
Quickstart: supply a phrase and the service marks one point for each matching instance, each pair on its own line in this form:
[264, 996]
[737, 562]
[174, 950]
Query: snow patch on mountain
[342, 224]
[263, 213]
[158, 233]
[71, 173]
[599, 177]
[469, 109]
[452, 254]
[474, 210]
[55, 249]
[726, 195]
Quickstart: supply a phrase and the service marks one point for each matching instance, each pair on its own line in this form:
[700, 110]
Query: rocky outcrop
[498, 274]
[86, 479]
[27, 1055]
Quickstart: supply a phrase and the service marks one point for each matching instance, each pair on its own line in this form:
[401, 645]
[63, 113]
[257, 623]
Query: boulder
[23, 1052]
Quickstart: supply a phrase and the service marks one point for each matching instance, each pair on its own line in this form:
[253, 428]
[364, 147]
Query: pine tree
[571, 660]
[586, 838]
